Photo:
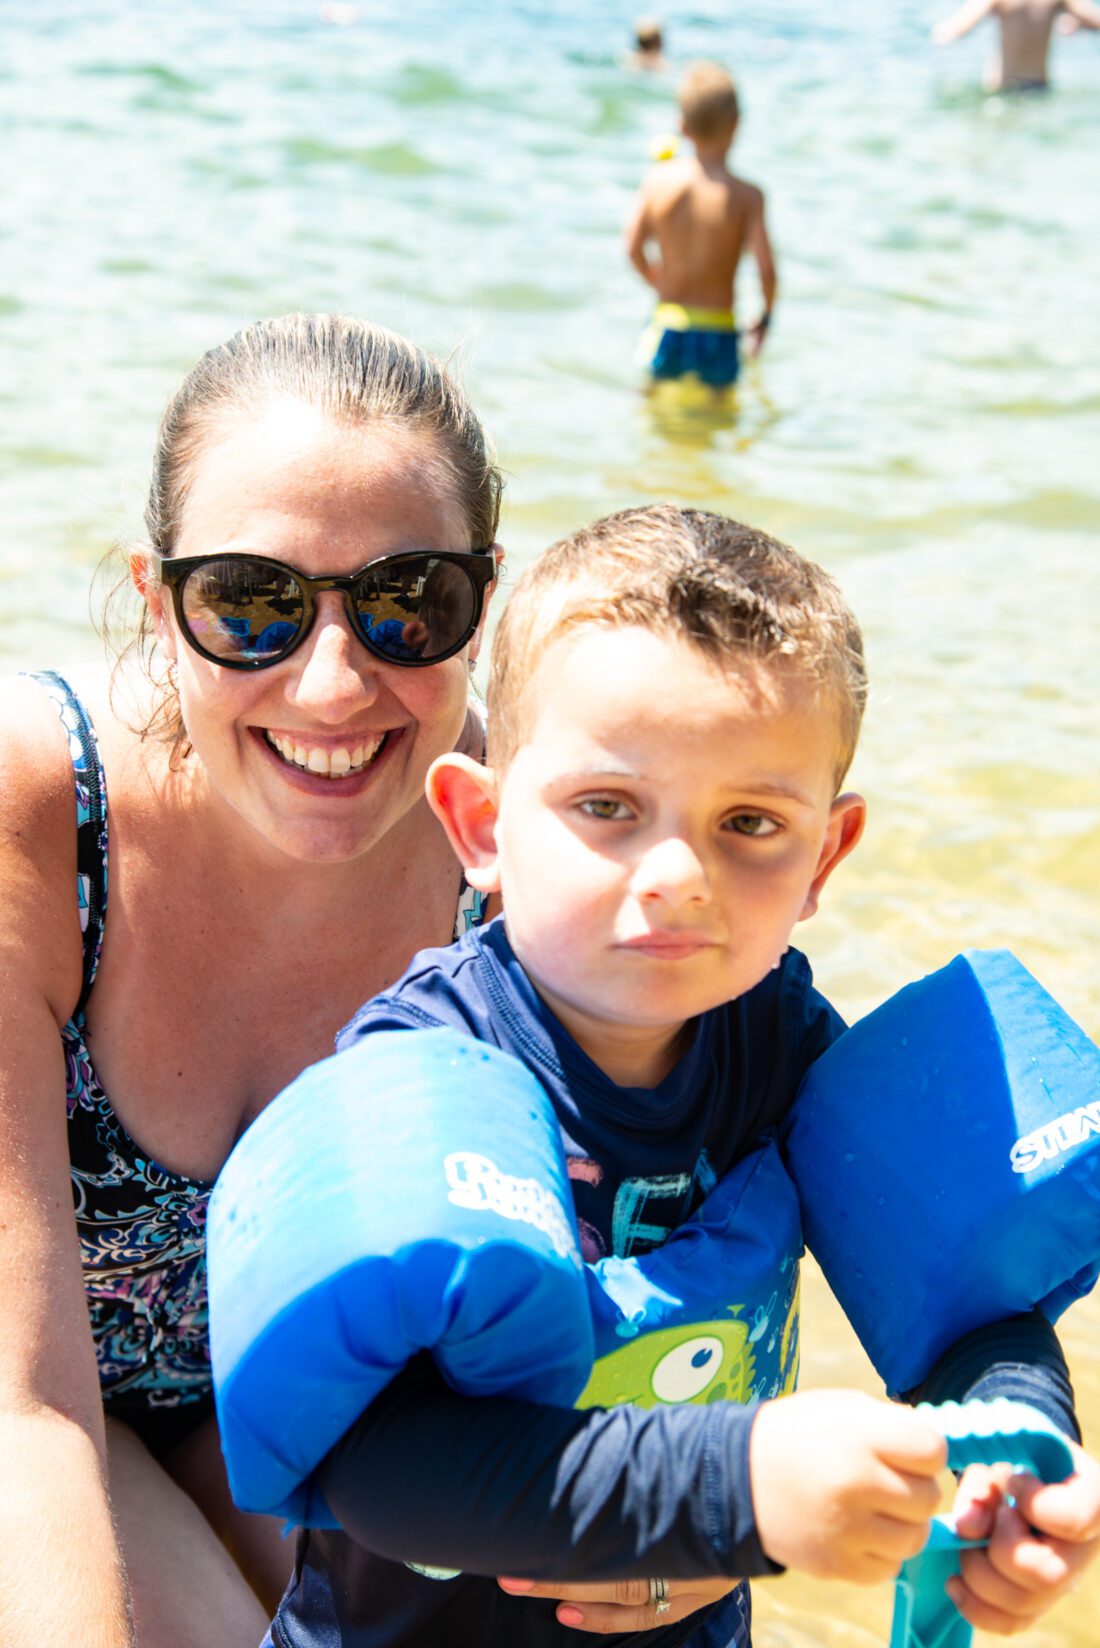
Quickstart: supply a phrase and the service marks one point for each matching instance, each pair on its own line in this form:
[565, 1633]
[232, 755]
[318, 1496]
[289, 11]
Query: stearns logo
[478, 1183]
[1056, 1137]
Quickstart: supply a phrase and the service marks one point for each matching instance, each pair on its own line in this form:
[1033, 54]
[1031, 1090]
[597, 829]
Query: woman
[271, 862]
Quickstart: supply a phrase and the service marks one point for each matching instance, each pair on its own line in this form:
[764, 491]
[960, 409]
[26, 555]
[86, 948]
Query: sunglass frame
[479, 565]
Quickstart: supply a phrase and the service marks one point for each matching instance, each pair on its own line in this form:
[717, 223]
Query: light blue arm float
[408, 1195]
[976, 1433]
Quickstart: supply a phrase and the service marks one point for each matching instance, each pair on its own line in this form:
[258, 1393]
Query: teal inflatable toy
[946, 1151]
[407, 1195]
[976, 1433]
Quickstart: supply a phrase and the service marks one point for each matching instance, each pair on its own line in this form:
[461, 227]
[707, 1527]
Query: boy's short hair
[689, 574]
[708, 101]
[647, 34]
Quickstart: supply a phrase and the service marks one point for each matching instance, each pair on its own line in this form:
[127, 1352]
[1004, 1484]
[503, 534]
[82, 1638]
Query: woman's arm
[63, 1574]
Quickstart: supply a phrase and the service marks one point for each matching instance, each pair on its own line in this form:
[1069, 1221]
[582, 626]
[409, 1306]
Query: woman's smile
[327, 760]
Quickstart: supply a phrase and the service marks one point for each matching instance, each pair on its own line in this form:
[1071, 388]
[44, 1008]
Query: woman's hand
[621, 1605]
[1038, 1548]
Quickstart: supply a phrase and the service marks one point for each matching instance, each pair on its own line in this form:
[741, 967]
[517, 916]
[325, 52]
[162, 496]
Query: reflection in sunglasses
[415, 608]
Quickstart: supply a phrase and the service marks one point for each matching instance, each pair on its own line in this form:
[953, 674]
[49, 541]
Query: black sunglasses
[247, 612]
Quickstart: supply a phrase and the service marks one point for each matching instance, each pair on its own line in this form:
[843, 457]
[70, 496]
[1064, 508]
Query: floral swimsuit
[142, 1228]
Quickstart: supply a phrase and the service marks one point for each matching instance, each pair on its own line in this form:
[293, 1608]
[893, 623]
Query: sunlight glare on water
[925, 420]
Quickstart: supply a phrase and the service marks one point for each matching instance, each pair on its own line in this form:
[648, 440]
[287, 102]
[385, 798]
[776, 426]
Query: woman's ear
[847, 816]
[463, 796]
[156, 598]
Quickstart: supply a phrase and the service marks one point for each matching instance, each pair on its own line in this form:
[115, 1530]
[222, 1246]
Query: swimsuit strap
[91, 820]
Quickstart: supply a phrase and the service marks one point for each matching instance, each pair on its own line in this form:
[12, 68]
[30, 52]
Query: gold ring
[659, 1596]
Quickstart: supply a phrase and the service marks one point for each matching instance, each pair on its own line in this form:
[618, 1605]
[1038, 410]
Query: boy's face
[662, 827]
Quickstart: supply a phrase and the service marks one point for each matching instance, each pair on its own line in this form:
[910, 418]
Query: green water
[926, 420]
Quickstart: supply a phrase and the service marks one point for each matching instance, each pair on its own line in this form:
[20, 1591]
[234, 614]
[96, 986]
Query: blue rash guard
[491, 1486]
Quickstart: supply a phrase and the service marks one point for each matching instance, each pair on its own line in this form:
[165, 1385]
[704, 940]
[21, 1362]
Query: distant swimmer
[649, 46]
[689, 226]
[1025, 27]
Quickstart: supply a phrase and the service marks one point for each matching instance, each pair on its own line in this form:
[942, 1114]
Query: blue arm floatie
[407, 1195]
[946, 1151]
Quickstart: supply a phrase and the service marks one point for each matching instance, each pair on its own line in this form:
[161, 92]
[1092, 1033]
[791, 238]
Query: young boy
[673, 705]
[701, 218]
[1025, 27]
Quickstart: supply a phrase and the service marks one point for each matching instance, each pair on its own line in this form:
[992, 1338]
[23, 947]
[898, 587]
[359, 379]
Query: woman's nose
[673, 871]
[336, 674]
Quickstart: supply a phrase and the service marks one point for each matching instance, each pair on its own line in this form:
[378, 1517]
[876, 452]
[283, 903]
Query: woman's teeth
[334, 763]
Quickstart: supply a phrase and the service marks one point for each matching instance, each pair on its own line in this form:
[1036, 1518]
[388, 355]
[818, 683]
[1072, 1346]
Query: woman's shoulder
[51, 721]
[34, 747]
[39, 933]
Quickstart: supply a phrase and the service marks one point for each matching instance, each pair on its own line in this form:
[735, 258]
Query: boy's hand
[843, 1486]
[1038, 1548]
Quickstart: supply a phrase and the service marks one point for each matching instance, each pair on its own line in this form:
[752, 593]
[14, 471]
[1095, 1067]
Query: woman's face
[324, 497]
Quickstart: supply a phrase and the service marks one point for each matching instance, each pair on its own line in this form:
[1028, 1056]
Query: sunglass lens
[416, 608]
[242, 610]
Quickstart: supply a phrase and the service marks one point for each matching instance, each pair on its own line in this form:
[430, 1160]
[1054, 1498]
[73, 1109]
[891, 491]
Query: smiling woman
[319, 552]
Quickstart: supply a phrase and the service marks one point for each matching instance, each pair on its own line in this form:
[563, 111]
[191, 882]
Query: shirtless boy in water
[1025, 36]
[690, 224]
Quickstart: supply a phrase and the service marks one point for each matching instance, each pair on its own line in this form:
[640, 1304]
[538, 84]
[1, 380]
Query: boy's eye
[604, 806]
[751, 824]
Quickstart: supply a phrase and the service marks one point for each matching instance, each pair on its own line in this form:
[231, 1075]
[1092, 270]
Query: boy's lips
[668, 946]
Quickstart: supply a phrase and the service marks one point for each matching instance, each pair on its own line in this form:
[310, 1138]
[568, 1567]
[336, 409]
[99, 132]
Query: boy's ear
[463, 796]
[847, 816]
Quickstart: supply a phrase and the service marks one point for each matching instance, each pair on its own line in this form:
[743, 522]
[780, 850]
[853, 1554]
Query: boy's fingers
[909, 1443]
[894, 1541]
[989, 1593]
[906, 1499]
[1017, 1576]
[980, 1493]
[1067, 1510]
[984, 1616]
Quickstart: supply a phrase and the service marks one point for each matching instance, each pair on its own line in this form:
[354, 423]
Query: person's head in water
[649, 44]
[709, 110]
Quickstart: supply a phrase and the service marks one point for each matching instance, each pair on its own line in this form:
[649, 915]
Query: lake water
[926, 419]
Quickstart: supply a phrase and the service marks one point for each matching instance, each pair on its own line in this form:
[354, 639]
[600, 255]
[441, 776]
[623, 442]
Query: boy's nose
[673, 871]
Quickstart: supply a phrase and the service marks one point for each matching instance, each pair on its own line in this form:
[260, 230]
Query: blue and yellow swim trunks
[681, 340]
